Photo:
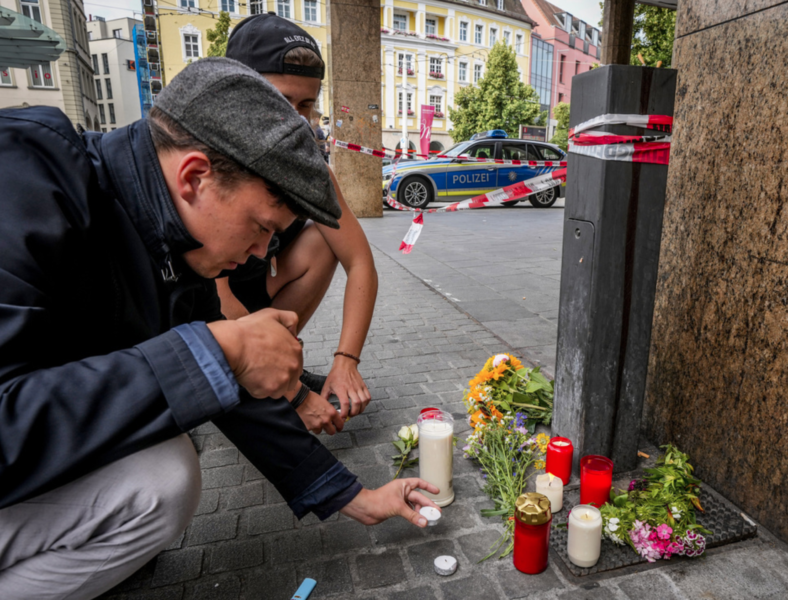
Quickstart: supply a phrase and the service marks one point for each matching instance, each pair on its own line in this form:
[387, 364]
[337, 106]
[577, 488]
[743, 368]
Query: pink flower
[664, 531]
[499, 358]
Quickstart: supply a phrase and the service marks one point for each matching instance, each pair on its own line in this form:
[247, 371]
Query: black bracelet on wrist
[300, 396]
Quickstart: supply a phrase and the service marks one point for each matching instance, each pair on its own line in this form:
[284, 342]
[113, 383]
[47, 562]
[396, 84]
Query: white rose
[414, 430]
[404, 433]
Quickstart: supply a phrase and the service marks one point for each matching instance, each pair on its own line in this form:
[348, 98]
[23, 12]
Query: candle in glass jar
[552, 487]
[436, 444]
[596, 479]
[558, 460]
[532, 520]
[585, 535]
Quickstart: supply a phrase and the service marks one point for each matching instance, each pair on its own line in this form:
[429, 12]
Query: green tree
[219, 35]
[652, 36]
[499, 101]
[561, 136]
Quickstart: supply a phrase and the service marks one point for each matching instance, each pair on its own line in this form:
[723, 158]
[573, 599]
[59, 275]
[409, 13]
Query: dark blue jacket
[91, 285]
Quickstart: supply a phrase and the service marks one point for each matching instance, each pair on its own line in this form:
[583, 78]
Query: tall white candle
[585, 535]
[552, 487]
[436, 443]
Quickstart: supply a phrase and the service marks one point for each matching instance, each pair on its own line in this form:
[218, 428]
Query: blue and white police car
[417, 183]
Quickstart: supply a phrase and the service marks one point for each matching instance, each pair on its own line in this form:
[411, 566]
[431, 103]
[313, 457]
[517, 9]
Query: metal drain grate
[719, 517]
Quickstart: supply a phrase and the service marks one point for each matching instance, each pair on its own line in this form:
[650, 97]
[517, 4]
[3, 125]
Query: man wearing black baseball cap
[301, 261]
[111, 341]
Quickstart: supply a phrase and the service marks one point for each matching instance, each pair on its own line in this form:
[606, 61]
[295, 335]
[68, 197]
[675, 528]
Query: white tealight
[432, 515]
[445, 565]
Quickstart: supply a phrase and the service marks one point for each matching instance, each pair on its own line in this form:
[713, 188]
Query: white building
[115, 74]
[66, 83]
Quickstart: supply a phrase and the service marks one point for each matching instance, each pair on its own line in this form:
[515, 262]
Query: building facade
[575, 45]
[442, 45]
[114, 71]
[66, 83]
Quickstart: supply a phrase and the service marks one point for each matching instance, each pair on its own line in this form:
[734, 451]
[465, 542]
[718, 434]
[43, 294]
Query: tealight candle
[596, 479]
[445, 565]
[585, 535]
[558, 460]
[552, 487]
[432, 515]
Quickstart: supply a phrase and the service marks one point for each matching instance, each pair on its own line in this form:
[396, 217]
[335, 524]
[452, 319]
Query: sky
[587, 10]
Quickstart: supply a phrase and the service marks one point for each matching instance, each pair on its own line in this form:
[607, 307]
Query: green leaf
[400, 446]
[489, 512]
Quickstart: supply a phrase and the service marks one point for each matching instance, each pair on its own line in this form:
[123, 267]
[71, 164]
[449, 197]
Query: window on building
[436, 65]
[5, 76]
[518, 46]
[430, 27]
[310, 11]
[95, 64]
[90, 36]
[560, 98]
[477, 73]
[437, 103]
[401, 22]
[256, 7]
[507, 38]
[577, 67]
[463, 32]
[483, 2]
[111, 112]
[478, 33]
[187, 3]
[117, 33]
[500, 4]
[561, 69]
[463, 71]
[408, 58]
[191, 46]
[283, 8]
[109, 88]
[410, 102]
[230, 6]
[105, 61]
[103, 130]
[493, 36]
[99, 93]
[32, 9]
[102, 115]
[42, 76]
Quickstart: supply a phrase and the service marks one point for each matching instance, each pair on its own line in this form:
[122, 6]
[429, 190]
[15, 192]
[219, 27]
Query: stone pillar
[354, 52]
[718, 368]
[618, 17]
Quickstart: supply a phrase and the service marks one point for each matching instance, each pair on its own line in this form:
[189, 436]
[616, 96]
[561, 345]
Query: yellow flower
[542, 440]
[539, 464]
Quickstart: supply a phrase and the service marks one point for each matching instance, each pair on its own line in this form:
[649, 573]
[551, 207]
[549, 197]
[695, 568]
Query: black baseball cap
[261, 42]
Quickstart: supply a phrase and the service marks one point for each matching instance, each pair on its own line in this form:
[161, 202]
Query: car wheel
[415, 192]
[544, 199]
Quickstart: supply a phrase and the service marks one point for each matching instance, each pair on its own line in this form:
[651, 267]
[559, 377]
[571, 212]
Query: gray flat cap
[234, 110]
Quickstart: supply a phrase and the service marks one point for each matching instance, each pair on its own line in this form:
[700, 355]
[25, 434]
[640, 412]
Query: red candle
[596, 479]
[532, 523]
[559, 458]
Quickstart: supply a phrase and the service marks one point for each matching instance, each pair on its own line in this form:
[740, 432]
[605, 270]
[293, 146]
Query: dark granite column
[718, 367]
[354, 52]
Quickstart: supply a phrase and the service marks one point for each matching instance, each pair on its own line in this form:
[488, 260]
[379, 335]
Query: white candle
[585, 535]
[436, 444]
[552, 487]
[432, 515]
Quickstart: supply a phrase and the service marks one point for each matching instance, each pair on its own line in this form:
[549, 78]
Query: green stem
[529, 406]
[401, 464]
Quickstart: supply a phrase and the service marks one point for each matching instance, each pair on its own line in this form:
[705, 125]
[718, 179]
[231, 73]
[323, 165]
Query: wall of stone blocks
[718, 367]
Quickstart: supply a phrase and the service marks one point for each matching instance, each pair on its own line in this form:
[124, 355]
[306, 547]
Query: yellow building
[443, 44]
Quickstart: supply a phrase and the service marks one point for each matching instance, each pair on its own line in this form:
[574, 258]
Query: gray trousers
[83, 538]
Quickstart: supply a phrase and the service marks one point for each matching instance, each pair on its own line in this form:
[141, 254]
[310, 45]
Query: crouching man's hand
[262, 350]
[397, 498]
[319, 415]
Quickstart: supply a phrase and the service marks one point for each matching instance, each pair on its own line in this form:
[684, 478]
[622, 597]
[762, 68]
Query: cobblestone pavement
[245, 543]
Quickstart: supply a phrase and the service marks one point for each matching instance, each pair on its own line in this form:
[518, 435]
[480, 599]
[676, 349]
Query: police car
[417, 183]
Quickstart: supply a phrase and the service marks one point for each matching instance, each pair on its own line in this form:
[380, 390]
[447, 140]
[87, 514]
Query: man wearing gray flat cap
[112, 344]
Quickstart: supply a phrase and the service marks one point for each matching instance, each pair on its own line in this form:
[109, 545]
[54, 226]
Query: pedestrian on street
[112, 344]
[301, 261]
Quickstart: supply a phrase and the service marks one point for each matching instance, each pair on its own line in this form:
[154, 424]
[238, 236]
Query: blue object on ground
[302, 593]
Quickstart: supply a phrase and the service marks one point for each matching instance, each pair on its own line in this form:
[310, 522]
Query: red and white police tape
[628, 148]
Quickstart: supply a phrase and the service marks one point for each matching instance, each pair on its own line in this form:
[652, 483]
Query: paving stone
[358, 422]
[252, 474]
[751, 573]
[311, 519]
[272, 495]
[477, 545]
[224, 588]
[243, 496]
[177, 567]
[420, 593]
[333, 577]
[170, 593]
[374, 476]
[397, 532]
[649, 586]
[343, 537]
[219, 457]
[379, 570]
[475, 587]
[209, 502]
[298, 544]
[222, 476]
[375, 436]
[178, 543]
[422, 556]
[467, 486]
[357, 457]
[267, 519]
[594, 591]
[236, 555]
[337, 441]
[398, 402]
[212, 528]
[519, 585]
[455, 518]
[271, 582]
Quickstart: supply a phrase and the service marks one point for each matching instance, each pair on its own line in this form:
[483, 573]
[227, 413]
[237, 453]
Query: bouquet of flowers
[656, 516]
[505, 386]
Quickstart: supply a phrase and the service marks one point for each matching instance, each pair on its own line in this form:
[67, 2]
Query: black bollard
[612, 231]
